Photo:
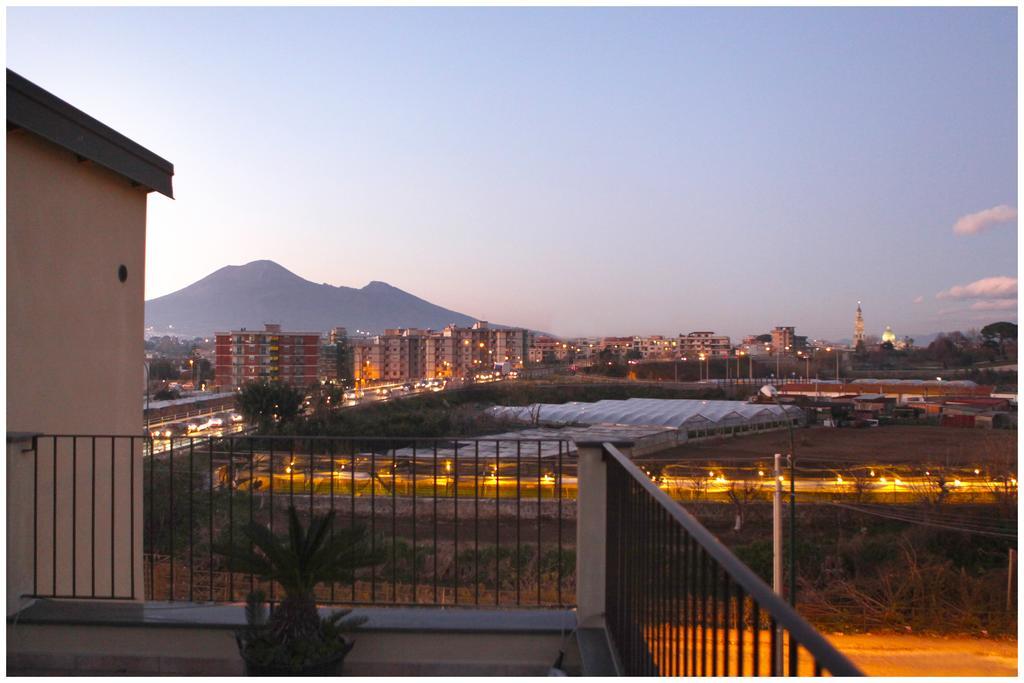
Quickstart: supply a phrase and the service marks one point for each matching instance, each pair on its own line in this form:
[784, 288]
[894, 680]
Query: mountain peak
[262, 291]
[263, 264]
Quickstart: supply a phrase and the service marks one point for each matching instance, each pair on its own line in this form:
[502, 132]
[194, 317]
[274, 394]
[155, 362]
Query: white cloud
[1000, 287]
[997, 305]
[973, 223]
[919, 300]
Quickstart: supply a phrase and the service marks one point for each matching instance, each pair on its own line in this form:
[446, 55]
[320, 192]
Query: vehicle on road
[212, 423]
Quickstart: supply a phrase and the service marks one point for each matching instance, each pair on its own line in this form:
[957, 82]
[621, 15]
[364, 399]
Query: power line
[949, 518]
[922, 522]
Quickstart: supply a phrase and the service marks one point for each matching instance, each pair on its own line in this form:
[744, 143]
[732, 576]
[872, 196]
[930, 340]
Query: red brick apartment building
[269, 355]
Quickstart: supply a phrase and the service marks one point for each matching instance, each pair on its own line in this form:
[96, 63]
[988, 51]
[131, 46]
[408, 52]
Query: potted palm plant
[294, 639]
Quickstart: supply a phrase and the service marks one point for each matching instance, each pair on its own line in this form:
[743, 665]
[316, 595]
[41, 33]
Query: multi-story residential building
[785, 340]
[619, 346]
[367, 360]
[782, 337]
[269, 355]
[465, 350]
[401, 355]
[511, 345]
[707, 343]
[404, 354]
[336, 358]
[587, 347]
[655, 347]
[549, 350]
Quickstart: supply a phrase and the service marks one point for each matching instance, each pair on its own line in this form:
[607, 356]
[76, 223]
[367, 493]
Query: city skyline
[867, 330]
[583, 172]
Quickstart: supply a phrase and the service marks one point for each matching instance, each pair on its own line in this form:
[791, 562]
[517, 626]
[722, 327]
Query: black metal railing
[85, 523]
[461, 521]
[679, 603]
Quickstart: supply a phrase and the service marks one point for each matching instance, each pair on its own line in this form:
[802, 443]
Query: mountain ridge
[264, 291]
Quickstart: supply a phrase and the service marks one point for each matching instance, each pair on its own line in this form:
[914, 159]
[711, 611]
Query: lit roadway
[380, 475]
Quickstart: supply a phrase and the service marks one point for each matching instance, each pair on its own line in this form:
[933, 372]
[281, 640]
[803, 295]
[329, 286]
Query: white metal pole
[777, 547]
[777, 528]
[1009, 580]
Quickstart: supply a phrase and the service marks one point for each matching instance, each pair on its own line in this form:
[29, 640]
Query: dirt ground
[914, 655]
[893, 444]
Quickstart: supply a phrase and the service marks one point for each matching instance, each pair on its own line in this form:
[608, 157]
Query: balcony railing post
[22, 534]
[591, 515]
[591, 532]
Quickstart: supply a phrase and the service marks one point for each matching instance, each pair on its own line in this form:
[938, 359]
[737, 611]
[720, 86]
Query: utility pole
[1009, 580]
[777, 527]
[777, 545]
[772, 393]
[145, 430]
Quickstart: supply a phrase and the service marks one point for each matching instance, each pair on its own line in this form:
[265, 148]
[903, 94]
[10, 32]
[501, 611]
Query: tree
[741, 494]
[327, 398]
[997, 334]
[268, 403]
[764, 338]
[162, 369]
[166, 395]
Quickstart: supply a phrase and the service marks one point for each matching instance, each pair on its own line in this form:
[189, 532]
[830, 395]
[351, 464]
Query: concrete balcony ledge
[64, 637]
[232, 616]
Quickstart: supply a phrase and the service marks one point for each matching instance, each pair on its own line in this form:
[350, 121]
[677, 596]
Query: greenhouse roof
[675, 413]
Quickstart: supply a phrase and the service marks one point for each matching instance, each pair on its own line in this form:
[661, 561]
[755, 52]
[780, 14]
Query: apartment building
[782, 337]
[335, 358]
[707, 343]
[268, 355]
[655, 347]
[587, 347]
[786, 340]
[549, 350]
[401, 355]
[619, 346]
[367, 360]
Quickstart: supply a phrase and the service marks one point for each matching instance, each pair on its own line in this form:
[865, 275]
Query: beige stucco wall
[74, 331]
[74, 366]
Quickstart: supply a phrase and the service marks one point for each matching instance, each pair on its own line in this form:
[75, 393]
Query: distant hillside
[265, 292]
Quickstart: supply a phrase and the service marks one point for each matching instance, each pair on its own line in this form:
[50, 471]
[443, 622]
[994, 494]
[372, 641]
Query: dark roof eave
[51, 118]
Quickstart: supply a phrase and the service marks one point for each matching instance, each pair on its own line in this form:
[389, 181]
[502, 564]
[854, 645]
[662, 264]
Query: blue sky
[582, 171]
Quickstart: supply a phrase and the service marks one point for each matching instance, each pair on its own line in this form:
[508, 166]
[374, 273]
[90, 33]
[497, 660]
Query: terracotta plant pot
[327, 667]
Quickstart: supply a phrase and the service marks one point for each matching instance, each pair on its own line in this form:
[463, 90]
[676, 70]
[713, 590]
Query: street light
[771, 392]
[829, 348]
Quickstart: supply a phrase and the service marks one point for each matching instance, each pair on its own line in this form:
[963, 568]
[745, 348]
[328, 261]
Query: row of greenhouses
[694, 418]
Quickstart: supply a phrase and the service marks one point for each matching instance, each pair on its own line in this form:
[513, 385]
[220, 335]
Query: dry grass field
[892, 444]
